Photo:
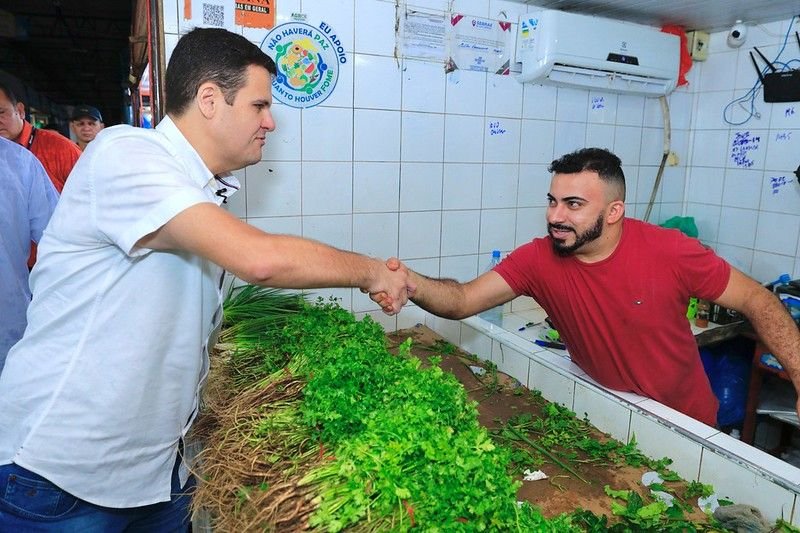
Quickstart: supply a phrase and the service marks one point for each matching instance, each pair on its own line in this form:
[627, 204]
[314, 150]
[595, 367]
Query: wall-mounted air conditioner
[555, 47]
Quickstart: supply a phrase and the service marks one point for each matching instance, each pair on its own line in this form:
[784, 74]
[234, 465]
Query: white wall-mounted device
[560, 48]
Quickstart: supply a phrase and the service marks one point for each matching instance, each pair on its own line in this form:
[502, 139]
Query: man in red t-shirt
[56, 153]
[617, 289]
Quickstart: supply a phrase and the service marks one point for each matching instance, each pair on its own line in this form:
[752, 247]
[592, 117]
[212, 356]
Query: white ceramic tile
[756, 458]
[503, 97]
[600, 135]
[569, 136]
[327, 188]
[627, 145]
[656, 440]
[740, 485]
[476, 8]
[420, 234]
[278, 225]
[780, 192]
[705, 185]
[410, 316]
[374, 27]
[460, 231]
[709, 110]
[338, 18]
[463, 139]
[777, 233]
[737, 227]
[476, 342]
[284, 144]
[602, 107]
[462, 267]
[449, 329]
[673, 187]
[572, 105]
[605, 414]
[327, 134]
[420, 186]
[717, 71]
[170, 20]
[335, 230]
[553, 386]
[652, 149]
[510, 361]
[423, 86]
[497, 229]
[423, 137]
[465, 93]
[710, 148]
[501, 140]
[653, 113]
[427, 267]
[738, 257]
[706, 218]
[644, 189]
[667, 414]
[785, 116]
[237, 204]
[534, 184]
[376, 187]
[539, 102]
[537, 140]
[376, 82]
[376, 135]
[499, 185]
[462, 186]
[273, 189]
[376, 234]
[680, 110]
[783, 145]
[742, 188]
[747, 148]
[768, 266]
[630, 110]
[530, 224]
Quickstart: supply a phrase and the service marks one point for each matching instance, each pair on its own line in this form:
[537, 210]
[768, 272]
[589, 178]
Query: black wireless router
[778, 86]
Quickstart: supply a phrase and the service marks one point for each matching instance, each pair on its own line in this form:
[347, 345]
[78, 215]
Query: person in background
[617, 289]
[27, 199]
[97, 396]
[85, 124]
[56, 153]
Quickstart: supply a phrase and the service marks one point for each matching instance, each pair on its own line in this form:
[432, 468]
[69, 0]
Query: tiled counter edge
[739, 472]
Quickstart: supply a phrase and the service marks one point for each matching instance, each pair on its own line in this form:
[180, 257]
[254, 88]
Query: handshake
[391, 286]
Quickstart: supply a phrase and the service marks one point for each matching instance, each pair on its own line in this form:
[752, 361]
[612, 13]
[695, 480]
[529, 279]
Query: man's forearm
[442, 297]
[777, 332]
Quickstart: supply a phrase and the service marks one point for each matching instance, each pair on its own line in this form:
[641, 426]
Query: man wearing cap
[56, 153]
[85, 124]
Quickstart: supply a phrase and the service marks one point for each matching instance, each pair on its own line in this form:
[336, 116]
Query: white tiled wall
[400, 161]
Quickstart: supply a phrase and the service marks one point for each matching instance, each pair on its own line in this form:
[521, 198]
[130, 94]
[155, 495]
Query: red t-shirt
[56, 153]
[623, 319]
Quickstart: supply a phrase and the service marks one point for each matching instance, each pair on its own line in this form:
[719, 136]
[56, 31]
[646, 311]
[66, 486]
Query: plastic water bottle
[495, 314]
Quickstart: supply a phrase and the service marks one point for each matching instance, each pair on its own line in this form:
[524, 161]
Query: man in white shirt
[27, 199]
[97, 396]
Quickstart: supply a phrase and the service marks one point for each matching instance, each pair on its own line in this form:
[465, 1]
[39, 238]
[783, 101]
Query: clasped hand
[394, 287]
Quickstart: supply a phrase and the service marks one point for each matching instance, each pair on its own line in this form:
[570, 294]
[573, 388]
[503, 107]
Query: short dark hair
[10, 94]
[210, 55]
[607, 165]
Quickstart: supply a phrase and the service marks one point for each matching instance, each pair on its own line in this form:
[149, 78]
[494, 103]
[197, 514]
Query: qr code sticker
[214, 15]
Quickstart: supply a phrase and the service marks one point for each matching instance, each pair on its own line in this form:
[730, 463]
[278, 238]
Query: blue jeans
[28, 502]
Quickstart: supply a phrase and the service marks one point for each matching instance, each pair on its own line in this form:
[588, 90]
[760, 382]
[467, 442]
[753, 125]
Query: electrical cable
[750, 95]
[664, 156]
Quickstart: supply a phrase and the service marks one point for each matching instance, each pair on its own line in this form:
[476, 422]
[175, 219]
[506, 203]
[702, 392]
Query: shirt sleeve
[517, 267]
[42, 198]
[139, 185]
[700, 269]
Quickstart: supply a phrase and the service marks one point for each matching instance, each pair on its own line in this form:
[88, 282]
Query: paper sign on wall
[255, 13]
[478, 44]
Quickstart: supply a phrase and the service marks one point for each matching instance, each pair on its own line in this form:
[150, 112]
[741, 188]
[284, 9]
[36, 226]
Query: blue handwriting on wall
[496, 129]
[744, 143]
[776, 182]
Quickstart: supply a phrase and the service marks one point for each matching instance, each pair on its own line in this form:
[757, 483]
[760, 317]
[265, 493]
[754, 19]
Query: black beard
[587, 236]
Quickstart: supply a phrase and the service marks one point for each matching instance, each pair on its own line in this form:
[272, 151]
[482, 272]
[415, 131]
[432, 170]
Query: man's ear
[21, 110]
[208, 96]
[616, 212]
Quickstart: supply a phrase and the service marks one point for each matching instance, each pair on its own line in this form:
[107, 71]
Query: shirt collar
[25, 134]
[224, 184]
